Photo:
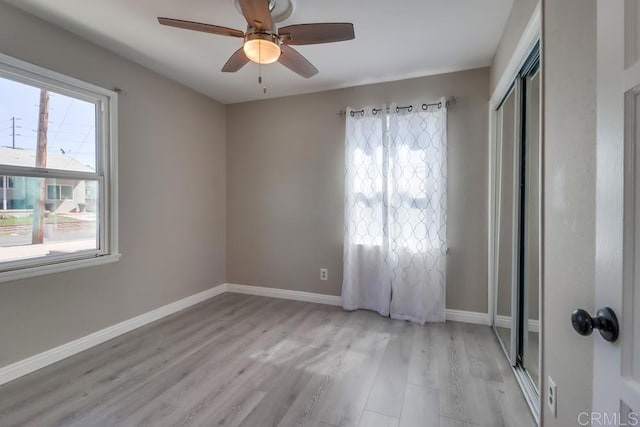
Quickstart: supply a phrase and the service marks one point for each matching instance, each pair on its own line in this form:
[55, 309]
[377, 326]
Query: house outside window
[58, 183]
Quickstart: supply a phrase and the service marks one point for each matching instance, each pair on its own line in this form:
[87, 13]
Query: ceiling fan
[265, 44]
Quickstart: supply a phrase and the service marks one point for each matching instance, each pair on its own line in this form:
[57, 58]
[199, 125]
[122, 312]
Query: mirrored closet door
[517, 227]
[530, 234]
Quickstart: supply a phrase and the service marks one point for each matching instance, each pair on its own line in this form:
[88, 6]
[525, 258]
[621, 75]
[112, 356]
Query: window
[59, 192]
[59, 160]
[7, 182]
[396, 169]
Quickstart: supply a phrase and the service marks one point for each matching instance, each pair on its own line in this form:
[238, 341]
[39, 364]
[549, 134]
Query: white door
[616, 388]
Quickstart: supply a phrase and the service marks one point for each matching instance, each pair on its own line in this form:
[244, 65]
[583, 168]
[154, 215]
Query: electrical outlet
[324, 274]
[552, 396]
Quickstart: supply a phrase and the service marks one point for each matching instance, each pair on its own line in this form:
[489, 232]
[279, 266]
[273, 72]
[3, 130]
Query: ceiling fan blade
[316, 33]
[257, 14]
[237, 61]
[297, 63]
[198, 26]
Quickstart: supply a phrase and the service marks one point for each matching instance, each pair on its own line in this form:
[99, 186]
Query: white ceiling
[395, 39]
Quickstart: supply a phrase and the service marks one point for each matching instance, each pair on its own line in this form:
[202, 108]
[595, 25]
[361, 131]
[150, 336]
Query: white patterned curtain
[395, 212]
[366, 280]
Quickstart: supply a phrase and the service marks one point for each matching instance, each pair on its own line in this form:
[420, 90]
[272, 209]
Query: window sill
[25, 273]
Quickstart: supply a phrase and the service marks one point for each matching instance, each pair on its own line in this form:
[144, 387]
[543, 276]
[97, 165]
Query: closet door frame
[522, 52]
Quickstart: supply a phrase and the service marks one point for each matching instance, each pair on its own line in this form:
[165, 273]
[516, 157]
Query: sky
[71, 121]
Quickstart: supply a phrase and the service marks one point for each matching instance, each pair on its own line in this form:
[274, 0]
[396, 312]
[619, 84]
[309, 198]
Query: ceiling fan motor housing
[280, 9]
[262, 47]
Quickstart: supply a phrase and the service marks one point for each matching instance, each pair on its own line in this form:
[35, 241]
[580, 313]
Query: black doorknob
[605, 321]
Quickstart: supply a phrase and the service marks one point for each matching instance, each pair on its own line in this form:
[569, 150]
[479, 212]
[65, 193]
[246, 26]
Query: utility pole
[37, 232]
[13, 131]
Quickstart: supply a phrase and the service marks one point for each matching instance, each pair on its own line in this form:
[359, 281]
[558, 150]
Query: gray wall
[172, 199]
[569, 90]
[519, 16]
[285, 185]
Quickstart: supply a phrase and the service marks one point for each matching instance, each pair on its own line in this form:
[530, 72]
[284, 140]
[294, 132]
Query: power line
[86, 138]
[66, 114]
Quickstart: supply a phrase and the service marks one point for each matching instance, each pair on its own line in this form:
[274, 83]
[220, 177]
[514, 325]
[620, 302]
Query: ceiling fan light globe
[261, 51]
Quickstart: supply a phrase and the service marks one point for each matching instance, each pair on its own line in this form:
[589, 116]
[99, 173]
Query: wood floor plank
[421, 407]
[343, 373]
[240, 360]
[455, 397]
[373, 419]
[482, 362]
[450, 422]
[140, 406]
[107, 377]
[228, 387]
[423, 367]
[233, 415]
[112, 393]
[388, 389]
[299, 371]
[90, 365]
[347, 394]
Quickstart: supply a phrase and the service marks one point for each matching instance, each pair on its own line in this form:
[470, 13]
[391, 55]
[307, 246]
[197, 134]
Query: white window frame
[106, 173]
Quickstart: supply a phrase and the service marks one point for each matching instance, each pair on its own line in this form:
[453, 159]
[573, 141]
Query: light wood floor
[241, 360]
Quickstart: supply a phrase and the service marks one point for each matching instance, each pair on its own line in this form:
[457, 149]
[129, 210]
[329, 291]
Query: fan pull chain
[264, 87]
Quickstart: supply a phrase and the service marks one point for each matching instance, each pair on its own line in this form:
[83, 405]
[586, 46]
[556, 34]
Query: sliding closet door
[517, 239]
[507, 191]
[531, 228]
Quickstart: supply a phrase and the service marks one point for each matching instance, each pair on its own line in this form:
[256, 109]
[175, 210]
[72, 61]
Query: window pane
[66, 192]
[53, 192]
[35, 225]
[6, 182]
[70, 137]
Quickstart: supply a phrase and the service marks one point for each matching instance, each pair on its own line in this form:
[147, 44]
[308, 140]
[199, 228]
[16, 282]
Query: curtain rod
[450, 101]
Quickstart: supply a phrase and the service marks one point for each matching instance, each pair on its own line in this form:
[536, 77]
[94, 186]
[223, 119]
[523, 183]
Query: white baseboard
[33, 363]
[452, 315]
[505, 322]
[468, 317]
[39, 361]
[284, 294]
